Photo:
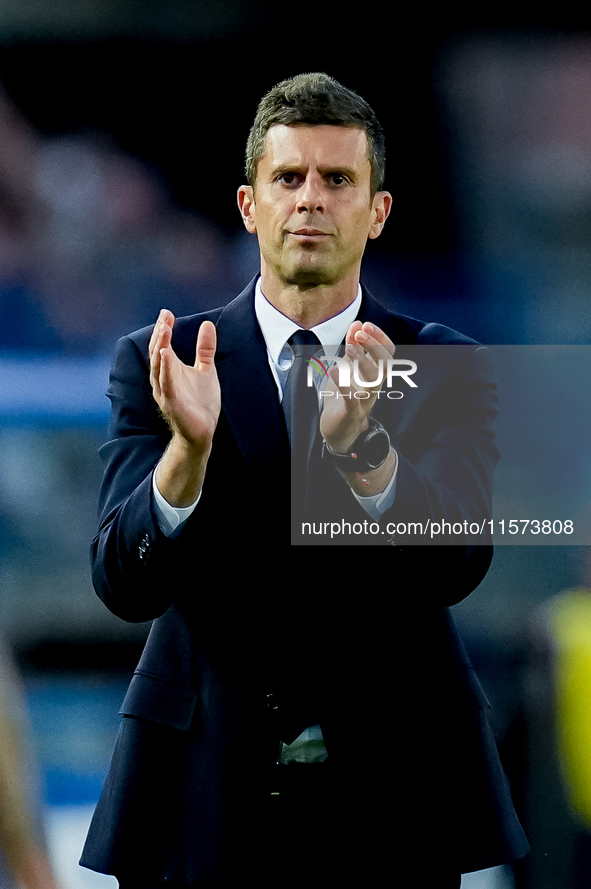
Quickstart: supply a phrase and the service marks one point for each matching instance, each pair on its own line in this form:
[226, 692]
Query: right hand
[190, 401]
[188, 396]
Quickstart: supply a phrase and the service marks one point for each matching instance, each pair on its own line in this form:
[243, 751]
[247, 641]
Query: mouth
[312, 234]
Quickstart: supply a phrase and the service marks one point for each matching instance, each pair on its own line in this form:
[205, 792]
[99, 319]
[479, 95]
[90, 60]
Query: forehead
[322, 145]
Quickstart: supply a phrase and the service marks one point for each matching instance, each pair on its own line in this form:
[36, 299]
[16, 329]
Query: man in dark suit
[300, 713]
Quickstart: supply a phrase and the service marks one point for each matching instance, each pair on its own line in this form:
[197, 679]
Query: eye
[338, 179]
[288, 178]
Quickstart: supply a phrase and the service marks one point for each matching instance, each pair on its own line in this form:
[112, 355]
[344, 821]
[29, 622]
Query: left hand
[343, 419]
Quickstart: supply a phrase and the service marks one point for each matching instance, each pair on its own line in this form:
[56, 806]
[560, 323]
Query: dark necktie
[300, 401]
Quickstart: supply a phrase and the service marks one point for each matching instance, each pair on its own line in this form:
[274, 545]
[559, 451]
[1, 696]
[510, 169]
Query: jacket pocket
[159, 700]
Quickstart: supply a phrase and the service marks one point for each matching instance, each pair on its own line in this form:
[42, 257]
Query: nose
[311, 195]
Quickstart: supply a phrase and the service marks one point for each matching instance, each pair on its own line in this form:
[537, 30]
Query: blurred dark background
[122, 130]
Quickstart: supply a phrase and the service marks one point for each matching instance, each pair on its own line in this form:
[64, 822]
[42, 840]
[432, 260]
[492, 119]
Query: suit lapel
[400, 329]
[249, 395]
[396, 414]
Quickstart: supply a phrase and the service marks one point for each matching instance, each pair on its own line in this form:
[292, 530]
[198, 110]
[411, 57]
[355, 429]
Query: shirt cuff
[378, 504]
[170, 518]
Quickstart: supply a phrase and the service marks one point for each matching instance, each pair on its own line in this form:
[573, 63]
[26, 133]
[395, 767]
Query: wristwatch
[368, 451]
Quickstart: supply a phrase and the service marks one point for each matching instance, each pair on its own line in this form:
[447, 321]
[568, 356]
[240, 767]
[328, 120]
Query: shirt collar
[277, 328]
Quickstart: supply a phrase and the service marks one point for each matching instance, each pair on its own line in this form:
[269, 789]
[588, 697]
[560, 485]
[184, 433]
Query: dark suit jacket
[254, 639]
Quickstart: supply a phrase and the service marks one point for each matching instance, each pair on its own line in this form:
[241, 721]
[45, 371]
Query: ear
[381, 206]
[246, 205]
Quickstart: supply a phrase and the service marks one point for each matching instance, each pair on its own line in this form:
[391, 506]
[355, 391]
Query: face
[312, 210]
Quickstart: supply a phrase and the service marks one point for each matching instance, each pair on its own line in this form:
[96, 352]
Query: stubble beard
[310, 270]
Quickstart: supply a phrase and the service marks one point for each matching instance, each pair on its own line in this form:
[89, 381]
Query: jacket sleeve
[129, 554]
[443, 432]
[444, 484]
[448, 454]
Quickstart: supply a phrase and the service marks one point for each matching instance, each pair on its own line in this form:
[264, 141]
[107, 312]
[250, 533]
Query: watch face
[375, 449]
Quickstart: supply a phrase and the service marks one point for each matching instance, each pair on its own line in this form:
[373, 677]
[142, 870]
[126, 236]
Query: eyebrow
[349, 172]
[325, 170]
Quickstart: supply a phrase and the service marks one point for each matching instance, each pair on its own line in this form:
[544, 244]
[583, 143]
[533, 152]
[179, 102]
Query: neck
[311, 304]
